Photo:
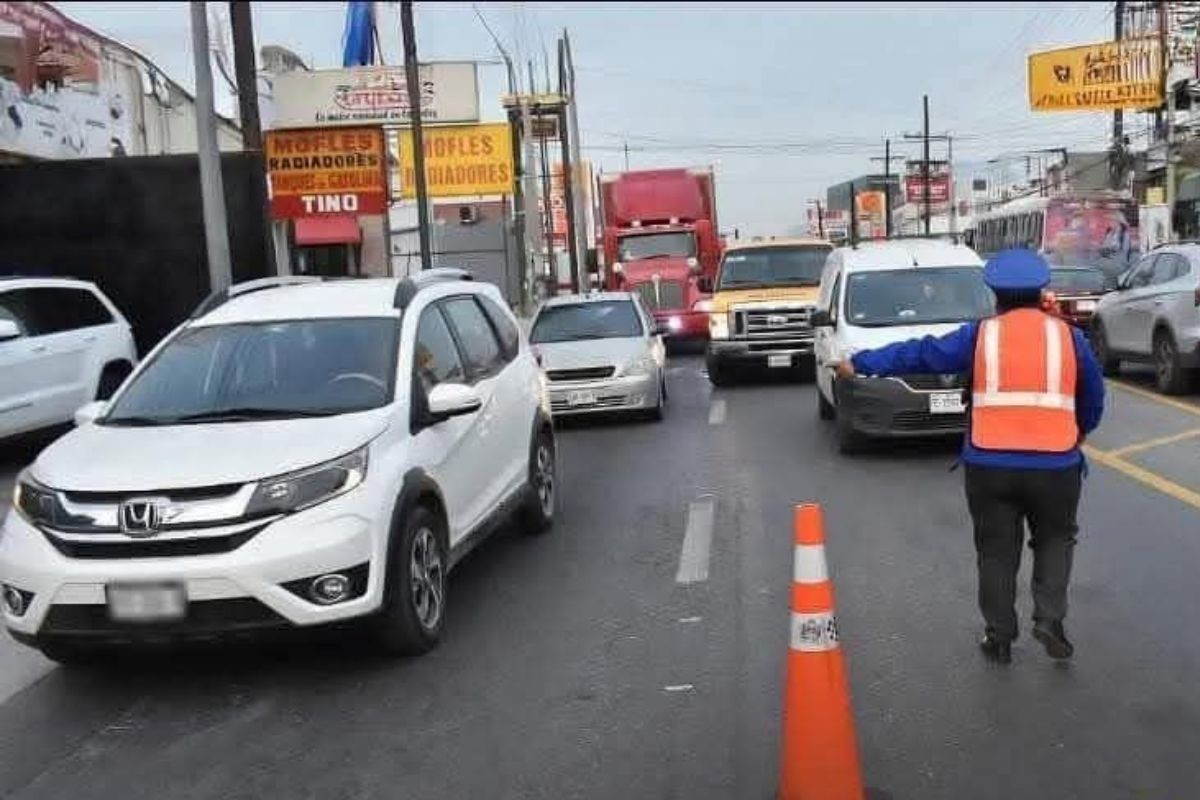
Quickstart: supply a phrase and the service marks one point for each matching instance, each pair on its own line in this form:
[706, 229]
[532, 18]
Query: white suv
[1154, 316]
[62, 343]
[297, 453]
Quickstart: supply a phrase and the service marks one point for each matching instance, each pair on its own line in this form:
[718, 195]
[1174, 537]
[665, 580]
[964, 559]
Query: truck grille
[584, 374]
[668, 294]
[774, 323]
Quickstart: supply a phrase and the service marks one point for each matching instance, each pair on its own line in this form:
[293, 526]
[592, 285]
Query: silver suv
[1154, 317]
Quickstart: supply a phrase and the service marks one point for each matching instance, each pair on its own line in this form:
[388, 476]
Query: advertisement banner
[939, 185]
[61, 96]
[314, 172]
[1095, 77]
[374, 96]
[460, 160]
[871, 207]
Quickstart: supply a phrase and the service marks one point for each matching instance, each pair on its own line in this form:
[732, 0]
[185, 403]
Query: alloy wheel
[544, 477]
[428, 579]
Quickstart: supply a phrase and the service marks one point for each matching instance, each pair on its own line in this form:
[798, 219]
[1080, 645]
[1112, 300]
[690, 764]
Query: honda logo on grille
[142, 517]
[776, 320]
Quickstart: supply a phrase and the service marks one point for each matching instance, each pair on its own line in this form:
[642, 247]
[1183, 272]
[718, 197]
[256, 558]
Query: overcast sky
[783, 99]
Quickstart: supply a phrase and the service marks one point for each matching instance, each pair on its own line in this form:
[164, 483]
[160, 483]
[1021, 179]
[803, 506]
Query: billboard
[62, 95]
[871, 208]
[460, 160]
[316, 172]
[1095, 77]
[939, 185]
[374, 96]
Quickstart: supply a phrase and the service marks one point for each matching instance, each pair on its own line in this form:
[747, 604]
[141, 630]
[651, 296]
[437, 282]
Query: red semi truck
[660, 240]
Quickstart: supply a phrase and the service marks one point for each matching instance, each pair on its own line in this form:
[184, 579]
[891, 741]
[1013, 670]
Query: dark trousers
[1001, 501]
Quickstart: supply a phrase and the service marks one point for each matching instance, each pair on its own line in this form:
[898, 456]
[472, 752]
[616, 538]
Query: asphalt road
[578, 665]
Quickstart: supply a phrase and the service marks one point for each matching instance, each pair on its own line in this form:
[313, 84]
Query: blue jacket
[955, 352]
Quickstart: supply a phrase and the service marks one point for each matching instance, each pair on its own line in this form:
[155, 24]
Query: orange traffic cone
[820, 750]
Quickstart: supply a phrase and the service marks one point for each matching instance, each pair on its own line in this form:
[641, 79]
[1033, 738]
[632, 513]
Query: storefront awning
[333, 229]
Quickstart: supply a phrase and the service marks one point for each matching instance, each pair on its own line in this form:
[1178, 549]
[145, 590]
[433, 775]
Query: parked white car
[298, 453]
[602, 352]
[1154, 317]
[62, 344]
[878, 293]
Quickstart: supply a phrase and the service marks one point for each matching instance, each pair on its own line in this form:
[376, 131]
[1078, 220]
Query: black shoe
[1054, 639]
[996, 650]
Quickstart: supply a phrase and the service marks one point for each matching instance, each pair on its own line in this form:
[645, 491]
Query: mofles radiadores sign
[314, 172]
[460, 160]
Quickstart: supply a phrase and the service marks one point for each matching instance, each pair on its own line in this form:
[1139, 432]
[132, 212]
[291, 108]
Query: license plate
[946, 403]
[779, 361]
[581, 398]
[1085, 305]
[146, 602]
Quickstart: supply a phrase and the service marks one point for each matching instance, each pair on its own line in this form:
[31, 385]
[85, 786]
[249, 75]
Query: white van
[881, 292]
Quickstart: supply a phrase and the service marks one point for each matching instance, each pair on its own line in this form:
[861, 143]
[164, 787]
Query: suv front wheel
[1169, 373]
[537, 514]
[414, 605]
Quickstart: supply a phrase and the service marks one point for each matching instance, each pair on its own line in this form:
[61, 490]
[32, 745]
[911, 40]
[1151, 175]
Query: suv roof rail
[222, 296]
[407, 289]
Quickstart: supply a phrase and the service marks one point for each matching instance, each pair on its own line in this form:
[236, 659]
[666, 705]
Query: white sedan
[601, 352]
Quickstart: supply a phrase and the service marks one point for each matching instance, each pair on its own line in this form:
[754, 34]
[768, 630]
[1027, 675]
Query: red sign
[939, 183]
[326, 171]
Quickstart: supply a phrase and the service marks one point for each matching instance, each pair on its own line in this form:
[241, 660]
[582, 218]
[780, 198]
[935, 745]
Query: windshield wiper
[248, 413]
[136, 422]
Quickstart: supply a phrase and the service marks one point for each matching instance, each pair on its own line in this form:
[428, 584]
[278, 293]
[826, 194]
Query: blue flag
[359, 37]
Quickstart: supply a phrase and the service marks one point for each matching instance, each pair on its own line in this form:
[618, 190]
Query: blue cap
[1016, 271]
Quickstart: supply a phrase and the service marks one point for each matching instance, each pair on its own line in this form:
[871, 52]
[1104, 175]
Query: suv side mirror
[448, 400]
[9, 330]
[89, 413]
[821, 319]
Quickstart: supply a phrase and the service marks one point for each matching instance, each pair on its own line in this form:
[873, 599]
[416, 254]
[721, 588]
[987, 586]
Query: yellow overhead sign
[460, 160]
[1095, 77]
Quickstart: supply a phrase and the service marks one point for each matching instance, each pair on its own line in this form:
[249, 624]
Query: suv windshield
[265, 370]
[917, 296]
[773, 266]
[1080, 279]
[607, 319]
[677, 244]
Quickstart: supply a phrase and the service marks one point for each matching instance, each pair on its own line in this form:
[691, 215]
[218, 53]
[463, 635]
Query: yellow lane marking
[1151, 479]
[1181, 405]
[1150, 444]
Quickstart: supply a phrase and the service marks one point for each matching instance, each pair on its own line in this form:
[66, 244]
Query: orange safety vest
[1023, 392]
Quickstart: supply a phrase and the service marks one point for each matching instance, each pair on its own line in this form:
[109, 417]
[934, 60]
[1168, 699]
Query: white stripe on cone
[808, 564]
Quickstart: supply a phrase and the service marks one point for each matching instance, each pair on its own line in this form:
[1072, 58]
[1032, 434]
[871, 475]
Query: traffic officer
[1036, 392]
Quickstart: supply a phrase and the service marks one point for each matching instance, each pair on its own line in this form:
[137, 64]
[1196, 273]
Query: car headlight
[306, 488]
[718, 325]
[33, 501]
[642, 365]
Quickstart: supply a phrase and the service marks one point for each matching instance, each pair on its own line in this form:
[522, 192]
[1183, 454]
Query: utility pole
[212, 185]
[247, 76]
[1116, 164]
[820, 220]
[1169, 127]
[627, 156]
[568, 170]
[887, 160]
[580, 242]
[950, 188]
[925, 164]
[547, 218]
[413, 81]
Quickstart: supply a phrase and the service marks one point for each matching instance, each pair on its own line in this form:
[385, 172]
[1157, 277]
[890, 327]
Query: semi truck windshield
[676, 244]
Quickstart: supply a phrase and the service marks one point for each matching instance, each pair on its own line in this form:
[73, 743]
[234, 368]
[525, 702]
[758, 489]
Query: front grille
[663, 294]
[174, 495]
[584, 374]
[150, 548]
[924, 421]
[774, 323]
[204, 617]
[934, 383]
[609, 401]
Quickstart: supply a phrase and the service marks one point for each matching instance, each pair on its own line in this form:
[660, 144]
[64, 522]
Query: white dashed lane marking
[716, 412]
[697, 541]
